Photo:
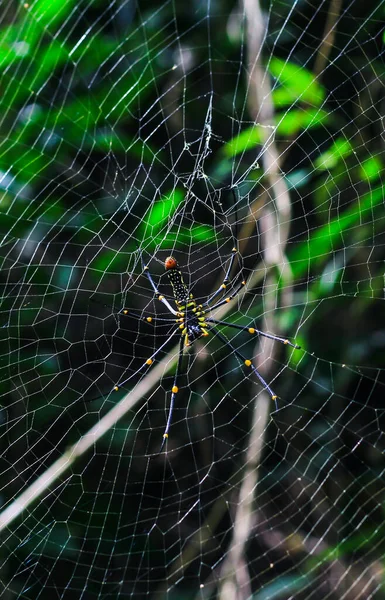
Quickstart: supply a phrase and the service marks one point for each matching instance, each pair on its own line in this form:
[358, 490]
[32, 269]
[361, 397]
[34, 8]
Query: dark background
[105, 113]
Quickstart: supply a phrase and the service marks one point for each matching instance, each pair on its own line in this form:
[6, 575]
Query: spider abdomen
[193, 321]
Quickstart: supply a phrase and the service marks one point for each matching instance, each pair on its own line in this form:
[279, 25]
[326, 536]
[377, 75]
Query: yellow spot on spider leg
[149, 319]
[116, 388]
[285, 341]
[223, 286]
[234, 250]
[227, 299]
[125, 312]
[160, 297]
[175, 389]
[145, 268]
[165, 435]
[251, 330]
[149, 361]
[248, 364]
[243, 282]
[181, 326]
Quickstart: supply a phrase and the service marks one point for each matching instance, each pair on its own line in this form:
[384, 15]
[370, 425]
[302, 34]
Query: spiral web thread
[136, 130]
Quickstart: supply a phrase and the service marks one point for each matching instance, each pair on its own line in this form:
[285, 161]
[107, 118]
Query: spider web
[135, 130]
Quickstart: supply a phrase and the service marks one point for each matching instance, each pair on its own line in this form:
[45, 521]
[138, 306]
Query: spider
[194, 321]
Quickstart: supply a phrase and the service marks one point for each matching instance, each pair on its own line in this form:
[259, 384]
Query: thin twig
[274, 224]
[328, 37]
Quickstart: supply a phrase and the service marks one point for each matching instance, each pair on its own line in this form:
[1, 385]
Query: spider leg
[148, 362]
[226, 300]
[253, 330]
[174, 391]
[226, 280]
[248, 363]
[138, 316]
[156, 291]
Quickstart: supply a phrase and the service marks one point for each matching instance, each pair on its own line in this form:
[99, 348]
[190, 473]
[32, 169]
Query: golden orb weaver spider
[192, 324]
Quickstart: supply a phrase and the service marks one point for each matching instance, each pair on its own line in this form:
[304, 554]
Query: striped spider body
[191, 317]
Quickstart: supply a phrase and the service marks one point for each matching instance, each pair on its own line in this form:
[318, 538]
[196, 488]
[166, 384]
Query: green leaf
[296, 83]
[286, 124]
[26, 163]
[19, 40]
[13, 45]
[246, 140]
[179, 238]
[371, 169]
[108, 140]
[49, 12]
[112, 261]
[295, 120]
[330, 237]
[339, 150]
[160, 212]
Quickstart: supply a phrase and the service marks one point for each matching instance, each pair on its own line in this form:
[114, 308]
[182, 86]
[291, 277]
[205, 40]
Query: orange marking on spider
[170, 263]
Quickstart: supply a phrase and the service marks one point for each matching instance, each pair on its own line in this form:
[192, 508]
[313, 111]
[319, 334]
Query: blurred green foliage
[124, 128]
